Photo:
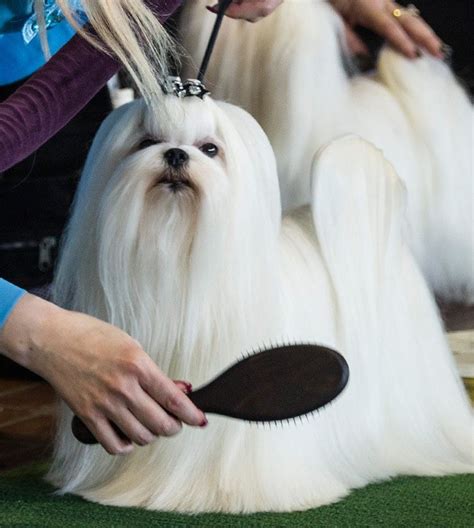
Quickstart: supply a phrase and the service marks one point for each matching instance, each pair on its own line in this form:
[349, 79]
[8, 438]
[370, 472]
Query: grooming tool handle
[223, 6]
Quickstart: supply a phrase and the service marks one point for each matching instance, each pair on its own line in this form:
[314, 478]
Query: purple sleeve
[57, 92]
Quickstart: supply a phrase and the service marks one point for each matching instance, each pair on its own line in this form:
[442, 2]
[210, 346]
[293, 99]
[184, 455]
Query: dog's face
[181, 157]
[193, 186]
[171, 166]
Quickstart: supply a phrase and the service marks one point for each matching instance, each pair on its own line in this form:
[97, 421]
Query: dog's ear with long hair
[262, 169]
[110, 145]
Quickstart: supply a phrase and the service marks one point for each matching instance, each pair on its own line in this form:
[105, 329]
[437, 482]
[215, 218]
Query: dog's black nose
[176, 157]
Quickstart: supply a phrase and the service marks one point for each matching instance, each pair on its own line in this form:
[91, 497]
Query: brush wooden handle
[272, 385]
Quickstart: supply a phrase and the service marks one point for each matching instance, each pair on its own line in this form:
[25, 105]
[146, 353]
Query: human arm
[57, 92]
[99, 371]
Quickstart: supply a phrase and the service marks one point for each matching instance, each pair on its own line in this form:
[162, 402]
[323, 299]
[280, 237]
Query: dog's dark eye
[148, 142]
[209, 149]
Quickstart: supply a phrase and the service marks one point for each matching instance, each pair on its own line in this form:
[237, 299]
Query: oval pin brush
[272, 385]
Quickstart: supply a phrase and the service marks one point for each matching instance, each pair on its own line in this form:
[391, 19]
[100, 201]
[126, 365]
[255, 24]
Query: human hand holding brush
[102, 374]
[276, 384]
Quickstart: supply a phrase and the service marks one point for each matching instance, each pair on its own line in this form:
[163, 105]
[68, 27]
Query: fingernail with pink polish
[203, 423]
[185, 386]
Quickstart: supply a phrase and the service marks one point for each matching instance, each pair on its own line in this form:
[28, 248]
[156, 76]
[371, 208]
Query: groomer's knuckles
[169, 396]
[250, 10]
[144, 388]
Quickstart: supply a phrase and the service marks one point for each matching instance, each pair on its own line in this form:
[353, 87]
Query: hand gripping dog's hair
[288, 72]
[177, 237]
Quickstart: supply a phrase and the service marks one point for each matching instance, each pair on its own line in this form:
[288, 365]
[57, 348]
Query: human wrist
[24, 336]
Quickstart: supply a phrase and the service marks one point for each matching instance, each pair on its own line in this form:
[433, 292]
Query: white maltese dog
[177, 237]
[288, 72]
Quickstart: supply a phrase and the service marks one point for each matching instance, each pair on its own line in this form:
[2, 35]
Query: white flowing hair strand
[39, 11]
[129, 30]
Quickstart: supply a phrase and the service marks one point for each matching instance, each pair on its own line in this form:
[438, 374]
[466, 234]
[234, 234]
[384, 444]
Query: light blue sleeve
[9, 296]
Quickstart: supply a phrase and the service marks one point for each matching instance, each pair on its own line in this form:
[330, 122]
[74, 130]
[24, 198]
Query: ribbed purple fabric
[57, 92]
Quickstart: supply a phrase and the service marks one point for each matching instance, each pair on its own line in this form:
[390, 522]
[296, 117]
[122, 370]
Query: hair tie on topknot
[189, 88]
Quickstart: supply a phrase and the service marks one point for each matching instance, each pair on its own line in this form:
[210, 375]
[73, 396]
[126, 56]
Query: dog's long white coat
[199, 280]
[287, 71]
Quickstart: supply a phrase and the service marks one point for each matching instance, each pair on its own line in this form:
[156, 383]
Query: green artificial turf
[409, 502]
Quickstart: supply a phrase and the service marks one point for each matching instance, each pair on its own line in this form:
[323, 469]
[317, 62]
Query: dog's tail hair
[389, 327]
[441, 115]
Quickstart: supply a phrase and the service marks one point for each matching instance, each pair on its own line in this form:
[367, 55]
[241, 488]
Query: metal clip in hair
[189, 88]
[196, 88]
[174, 85]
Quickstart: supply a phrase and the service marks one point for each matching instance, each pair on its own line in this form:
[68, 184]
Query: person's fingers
[184, 386]
[421, 33]
[387, 26]
[116, 430]
[131, 427]
[105, 434]
[355, 44]
[250, 10]
[170, 397]
[238, 13]
[153, 417]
